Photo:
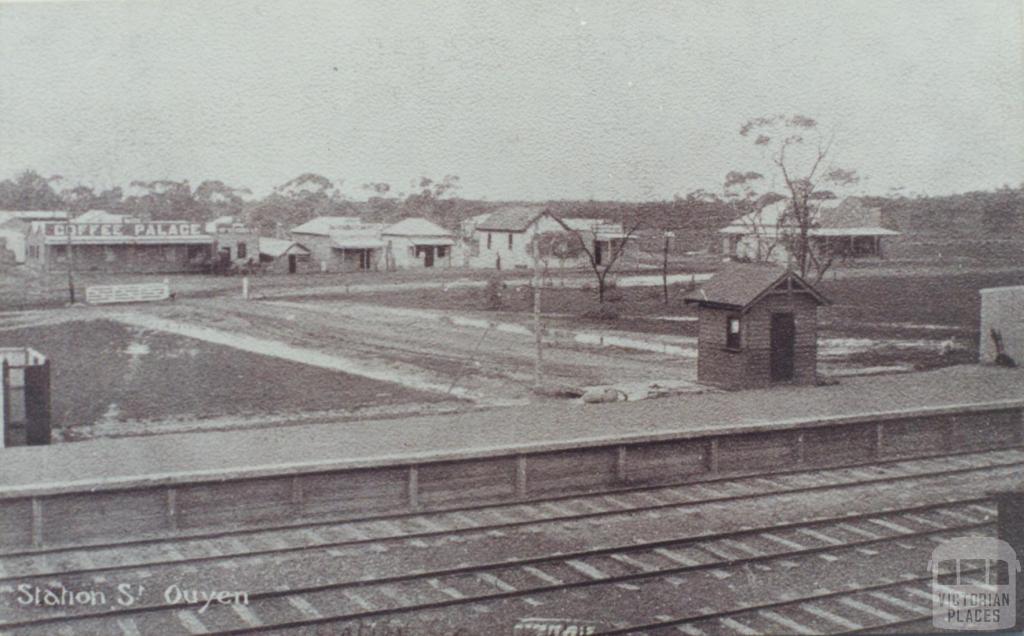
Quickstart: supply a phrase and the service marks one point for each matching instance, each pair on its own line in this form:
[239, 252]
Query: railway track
[384, 589]
[333, 533]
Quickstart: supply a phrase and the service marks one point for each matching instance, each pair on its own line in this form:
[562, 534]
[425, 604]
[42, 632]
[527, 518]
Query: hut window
[732, 332]
[241, 250]
[442, 251]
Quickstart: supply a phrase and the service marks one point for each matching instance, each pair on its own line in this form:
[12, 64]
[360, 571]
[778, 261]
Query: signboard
[158, 229]
[147, 292]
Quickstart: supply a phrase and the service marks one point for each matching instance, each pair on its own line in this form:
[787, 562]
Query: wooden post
[621, 469]
[713, 455]
[521, 476]
[172, 509]
[37, 522]
[297, 492]
[71, 260]
[245, 287]
[414, 487]
[879, 439]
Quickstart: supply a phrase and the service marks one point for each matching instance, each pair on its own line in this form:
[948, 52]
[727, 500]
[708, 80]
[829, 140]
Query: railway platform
[175, 484]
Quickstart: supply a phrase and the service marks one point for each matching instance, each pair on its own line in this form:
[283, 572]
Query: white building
[416, 243]
[15, 226]
[846, 229]
[504, 239]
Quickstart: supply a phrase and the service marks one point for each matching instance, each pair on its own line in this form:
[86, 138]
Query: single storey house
[505, 238]
[844, 229]
[341, 243]
[138, 247]
[283, 256]
[417, 243]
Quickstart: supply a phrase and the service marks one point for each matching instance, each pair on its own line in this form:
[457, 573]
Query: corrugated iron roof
[416, 226]
[324, 225]
[276, 248]
[511, 219]
[849, 217]
[739, 285]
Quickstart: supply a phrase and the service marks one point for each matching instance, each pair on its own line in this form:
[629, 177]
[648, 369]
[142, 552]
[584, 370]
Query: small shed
[280, 256]
[758, 326]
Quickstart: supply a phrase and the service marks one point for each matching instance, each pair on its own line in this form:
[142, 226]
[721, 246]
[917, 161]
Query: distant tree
[798, 153]
[29, 191]
[78, 199]
[216, 199]
[163, 199]
[296, 201]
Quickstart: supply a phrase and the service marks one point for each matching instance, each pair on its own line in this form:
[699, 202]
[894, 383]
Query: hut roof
[741, 285]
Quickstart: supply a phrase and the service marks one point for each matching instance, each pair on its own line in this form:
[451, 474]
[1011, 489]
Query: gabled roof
[277, 248]
[325, 225]
[415, 226]
[740, 285]
[511, 219]
[849, 217]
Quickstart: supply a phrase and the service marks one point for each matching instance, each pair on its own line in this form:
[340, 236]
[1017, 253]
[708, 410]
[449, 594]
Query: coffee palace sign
[158, 229]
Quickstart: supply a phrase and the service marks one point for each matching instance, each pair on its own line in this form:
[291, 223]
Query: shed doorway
[428, 256]
[293, 264]
[783, 338]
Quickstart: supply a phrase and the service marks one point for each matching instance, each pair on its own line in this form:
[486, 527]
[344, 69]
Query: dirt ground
[372, 347]
[111, 379]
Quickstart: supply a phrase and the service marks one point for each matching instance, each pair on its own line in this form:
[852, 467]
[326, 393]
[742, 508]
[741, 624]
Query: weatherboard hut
[758, 326]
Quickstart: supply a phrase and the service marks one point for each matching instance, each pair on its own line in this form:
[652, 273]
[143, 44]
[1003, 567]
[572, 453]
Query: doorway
[783, 338]
[293, 263]
[428, 256]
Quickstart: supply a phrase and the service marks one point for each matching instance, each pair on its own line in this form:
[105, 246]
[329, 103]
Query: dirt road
[413, 347]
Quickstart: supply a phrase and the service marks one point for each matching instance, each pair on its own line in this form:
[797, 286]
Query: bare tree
[587, 241]
[557, 246]
[799, 153]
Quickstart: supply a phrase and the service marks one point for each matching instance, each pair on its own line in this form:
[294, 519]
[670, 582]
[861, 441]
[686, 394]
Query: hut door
[428, 256]
[292, 263]
[783, 342]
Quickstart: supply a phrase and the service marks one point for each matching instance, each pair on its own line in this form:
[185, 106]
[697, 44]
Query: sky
[522, 99]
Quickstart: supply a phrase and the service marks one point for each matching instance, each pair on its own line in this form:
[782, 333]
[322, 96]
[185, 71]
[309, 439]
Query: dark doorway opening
[783, 347]
[428, 256]
[598, 253]
[293, 263]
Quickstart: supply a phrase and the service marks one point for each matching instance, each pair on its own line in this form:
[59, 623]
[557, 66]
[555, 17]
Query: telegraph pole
[539, 362]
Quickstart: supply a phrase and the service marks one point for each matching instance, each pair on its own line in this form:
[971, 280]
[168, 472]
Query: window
[732, 332]
[241, 250]
[510, 240]
[488, 240]
[442, 251]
